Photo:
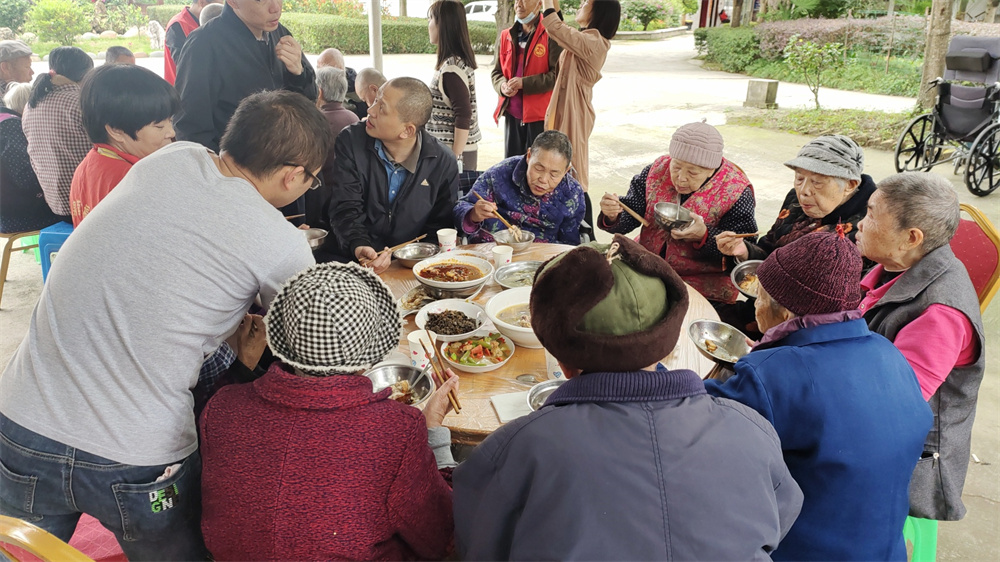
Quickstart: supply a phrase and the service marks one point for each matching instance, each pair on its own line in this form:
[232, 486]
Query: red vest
[188, 23]
[537, 63]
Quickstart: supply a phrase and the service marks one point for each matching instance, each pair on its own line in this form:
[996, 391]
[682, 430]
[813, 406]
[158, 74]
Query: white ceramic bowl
[482, 265]
[471, 369]
[469, 309]
[524, 337]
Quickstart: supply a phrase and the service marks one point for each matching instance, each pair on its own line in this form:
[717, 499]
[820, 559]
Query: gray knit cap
[13, 49]
[697, 143]
[834, 155]
[333, 318]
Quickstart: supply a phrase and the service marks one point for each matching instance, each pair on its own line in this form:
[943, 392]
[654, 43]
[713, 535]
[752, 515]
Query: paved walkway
[648, 90]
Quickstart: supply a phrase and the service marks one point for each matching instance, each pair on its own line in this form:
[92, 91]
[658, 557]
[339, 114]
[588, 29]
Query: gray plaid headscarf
[333, 318]
[834, 155]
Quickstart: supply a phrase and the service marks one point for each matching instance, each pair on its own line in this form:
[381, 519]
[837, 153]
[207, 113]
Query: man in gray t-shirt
[96, 412]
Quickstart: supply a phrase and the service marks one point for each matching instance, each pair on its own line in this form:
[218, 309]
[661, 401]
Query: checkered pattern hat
[333, 318]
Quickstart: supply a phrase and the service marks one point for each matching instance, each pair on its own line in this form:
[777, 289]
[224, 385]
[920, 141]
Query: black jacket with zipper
[360, 213]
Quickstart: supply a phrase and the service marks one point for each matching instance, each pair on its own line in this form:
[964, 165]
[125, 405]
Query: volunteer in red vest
[523, 77]
[178, 28]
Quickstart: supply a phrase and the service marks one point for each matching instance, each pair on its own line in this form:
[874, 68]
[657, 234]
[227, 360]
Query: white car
[482, 10]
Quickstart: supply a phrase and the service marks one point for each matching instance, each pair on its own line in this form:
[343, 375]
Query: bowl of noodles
[453, 272]
[510, 314]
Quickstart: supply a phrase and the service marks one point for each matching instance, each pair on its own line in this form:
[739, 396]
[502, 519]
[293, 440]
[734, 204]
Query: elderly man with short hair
[394, 181]
[920, 297]
[15, 63]
[119, 55]
[533, 191]
[334, 58]
[368, 83]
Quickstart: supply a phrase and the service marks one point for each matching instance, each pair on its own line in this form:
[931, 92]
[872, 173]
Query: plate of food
[719, 341]
[451, 319]
[451, 273]
[744, 276]
[478, 354]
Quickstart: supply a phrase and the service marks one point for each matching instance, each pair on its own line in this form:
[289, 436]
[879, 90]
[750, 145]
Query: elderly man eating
[532, 191]
[920, 297]
[851, 429]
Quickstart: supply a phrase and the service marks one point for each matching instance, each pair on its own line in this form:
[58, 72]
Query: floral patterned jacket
[553, 218]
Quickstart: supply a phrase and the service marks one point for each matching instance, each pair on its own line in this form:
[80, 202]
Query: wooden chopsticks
[290, 217]
[394, 248]
[747, 235]
[499, 216]
[642, 220]
[439, 372]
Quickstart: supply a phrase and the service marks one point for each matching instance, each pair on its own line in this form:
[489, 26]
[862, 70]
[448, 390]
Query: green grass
[135, 44]
[876, 129]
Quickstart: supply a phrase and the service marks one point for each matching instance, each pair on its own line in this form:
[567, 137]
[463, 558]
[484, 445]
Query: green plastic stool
[922, 533]
[29, 241]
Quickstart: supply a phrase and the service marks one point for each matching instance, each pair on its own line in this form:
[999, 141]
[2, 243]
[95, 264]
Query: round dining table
[478, 417]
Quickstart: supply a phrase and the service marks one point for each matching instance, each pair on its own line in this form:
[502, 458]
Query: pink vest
[711, 202]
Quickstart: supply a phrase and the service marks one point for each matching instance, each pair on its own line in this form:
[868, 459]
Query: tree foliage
[58, 20]
[811, 61]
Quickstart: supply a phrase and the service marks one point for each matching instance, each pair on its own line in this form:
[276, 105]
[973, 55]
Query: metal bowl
[517, 274]
[504, 238]
[541, 392]
[670, 216]
[385, 375]
[730, 343]
[315, 236]
[410, 254]
[741, 271]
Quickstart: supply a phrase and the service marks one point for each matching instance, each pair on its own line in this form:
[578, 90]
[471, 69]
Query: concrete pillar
[762, 94]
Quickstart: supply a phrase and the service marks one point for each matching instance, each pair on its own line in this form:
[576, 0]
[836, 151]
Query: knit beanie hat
[697, 143]
[833, 155]
[333, 318]
[601, 315]
[817, 274]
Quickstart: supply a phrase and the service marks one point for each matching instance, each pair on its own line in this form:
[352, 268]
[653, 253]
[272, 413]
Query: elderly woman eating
[920, 297]
[533, 192]
[714, 190]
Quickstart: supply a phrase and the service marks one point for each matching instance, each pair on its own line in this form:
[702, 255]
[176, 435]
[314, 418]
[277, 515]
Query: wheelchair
[962, 128]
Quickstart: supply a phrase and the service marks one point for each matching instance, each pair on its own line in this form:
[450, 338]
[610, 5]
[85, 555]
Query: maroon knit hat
[818, 273]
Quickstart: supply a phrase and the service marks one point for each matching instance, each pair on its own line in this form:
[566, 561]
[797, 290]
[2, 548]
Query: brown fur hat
[599, 316]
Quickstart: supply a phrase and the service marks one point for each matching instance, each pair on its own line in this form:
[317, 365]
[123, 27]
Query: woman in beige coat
[570, 109]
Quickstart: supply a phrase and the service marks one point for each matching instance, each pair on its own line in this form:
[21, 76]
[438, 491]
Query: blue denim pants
[50, 485]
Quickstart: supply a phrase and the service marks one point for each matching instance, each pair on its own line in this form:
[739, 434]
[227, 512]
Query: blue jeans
[50, 485]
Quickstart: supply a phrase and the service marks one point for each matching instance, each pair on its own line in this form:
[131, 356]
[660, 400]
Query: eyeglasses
[317, 182]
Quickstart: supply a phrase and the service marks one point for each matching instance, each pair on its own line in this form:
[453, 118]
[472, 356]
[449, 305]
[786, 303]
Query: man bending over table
[102, 381]
[394, 180]
[626, 460]
[533, 192]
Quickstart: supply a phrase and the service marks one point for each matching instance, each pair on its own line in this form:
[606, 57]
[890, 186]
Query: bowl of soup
[452, 273]
[509, 312]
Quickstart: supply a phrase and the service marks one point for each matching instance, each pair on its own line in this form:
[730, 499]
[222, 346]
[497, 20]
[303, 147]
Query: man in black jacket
[394, 180]
[241, 52]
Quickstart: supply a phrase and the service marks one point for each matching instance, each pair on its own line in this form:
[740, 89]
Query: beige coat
[570, 109]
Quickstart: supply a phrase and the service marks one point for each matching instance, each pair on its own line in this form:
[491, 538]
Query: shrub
[115, 16]
[13, 13]
[645, 10]
[58, 20]
[810, 61]
[399, 35]
[732, 49]
[163, 13]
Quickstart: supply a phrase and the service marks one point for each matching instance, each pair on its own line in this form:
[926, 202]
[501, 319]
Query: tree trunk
[734, 20]
[991, 12]
[935, 51]
[963, 5]
[892, 8]
[402, 8]
[505, 13]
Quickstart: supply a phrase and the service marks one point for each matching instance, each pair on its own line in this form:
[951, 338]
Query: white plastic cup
[418, 358]
[502, 255]
[552, 367]
[448, 239]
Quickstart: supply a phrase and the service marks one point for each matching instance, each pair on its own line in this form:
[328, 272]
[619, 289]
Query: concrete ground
[648, 90]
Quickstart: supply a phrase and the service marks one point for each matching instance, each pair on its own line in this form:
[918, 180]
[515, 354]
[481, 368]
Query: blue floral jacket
[556, 217]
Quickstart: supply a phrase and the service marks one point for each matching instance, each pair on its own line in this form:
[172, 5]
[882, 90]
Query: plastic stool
[922, 533]
[32, 241]
[49, 241]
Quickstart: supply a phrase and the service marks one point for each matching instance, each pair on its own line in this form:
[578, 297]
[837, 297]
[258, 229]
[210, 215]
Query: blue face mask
[526, 20]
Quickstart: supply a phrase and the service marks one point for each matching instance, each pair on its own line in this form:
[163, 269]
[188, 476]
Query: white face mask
[526, 20]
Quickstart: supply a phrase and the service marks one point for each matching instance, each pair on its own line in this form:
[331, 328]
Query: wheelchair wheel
[919, 147]
[982, 174]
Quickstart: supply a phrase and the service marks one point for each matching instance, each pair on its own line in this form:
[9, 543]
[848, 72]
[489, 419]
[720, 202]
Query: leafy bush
[821, 8]
[732, 49]
[58, 20]
[645, 10]
[13, 13]
[810, 61]
[399, 35]
[116, 16]
[863, 72]
[871, 35]
[876, 129]
[163, 13]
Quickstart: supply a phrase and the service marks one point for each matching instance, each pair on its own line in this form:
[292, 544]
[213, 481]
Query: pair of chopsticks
[439, 372]
[290, 217]
[747, 235]
[394, 248]
[515, 231]
[642, 220]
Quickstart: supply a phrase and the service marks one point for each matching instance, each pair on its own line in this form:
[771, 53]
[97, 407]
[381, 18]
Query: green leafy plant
[13, 13]
[58, 20]
[645, 11]
[732, 49]
[115, 16]
[810, 61]
[399, 35]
